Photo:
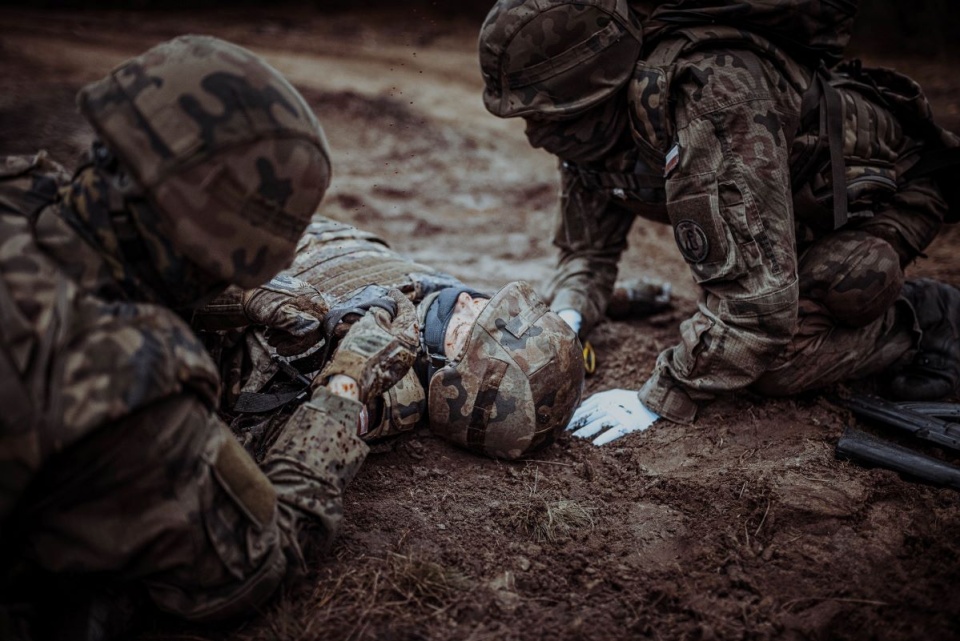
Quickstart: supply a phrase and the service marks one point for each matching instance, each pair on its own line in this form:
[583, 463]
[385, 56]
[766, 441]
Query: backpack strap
[831, 119]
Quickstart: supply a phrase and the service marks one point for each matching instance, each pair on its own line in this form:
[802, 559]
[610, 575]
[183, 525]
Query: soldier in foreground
[114, 467]
[798, 193]
[498, 374]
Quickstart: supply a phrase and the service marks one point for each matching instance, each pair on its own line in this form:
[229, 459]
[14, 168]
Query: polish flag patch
[673, 159]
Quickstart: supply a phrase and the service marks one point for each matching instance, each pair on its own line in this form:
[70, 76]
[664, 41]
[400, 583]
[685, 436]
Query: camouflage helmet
[226, 152]
[556, 58]
[517, 382]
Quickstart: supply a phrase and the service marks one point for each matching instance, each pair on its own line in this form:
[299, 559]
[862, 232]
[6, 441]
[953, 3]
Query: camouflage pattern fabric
[113, 462]
[379, 349]
[856, 276]
[536, 357]
[777, 324]
[530, 67]
[717, 134]
[120, 395]
[517, 383]
[336, 259]
[144, 266]
[291, 308]
[225, 151]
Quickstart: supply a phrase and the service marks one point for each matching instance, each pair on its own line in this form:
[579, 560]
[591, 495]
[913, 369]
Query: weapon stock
[919, 419]
[926, 421]
[862, 447]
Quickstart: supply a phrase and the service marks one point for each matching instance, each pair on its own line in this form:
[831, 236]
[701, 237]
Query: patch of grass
[395, 592]
[423, 582]
[550, 520]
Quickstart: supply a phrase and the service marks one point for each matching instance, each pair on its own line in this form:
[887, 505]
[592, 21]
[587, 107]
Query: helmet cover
[556, 58]
[225, 150]
[517, 382]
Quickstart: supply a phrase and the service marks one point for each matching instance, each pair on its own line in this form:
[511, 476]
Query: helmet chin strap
[433, 330]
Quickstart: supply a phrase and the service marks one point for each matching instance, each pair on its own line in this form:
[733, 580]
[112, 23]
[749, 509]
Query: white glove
[571, 317]
[612, 413]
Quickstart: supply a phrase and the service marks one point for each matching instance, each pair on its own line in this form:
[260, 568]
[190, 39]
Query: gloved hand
[357, 303]
[571, 317]
[612, 414]
[292, 310]
[378, 349]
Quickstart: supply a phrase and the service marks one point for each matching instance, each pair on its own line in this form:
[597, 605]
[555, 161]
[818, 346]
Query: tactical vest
[337, 259]
[71, 362]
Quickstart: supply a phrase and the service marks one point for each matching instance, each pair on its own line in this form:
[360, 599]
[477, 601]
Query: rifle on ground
[926, 421]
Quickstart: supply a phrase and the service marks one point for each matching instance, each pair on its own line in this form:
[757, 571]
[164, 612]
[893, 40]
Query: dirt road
[743, 526]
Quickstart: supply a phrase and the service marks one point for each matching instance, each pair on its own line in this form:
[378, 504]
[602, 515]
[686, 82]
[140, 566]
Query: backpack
[812, 31]
[815, 33]
[905, 100]
[904, 97]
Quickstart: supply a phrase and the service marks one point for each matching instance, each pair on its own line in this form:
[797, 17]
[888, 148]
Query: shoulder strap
[831, 119]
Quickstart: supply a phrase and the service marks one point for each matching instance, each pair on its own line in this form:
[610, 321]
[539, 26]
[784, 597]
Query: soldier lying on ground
[114, 467]
[497, 374]
[798, 194]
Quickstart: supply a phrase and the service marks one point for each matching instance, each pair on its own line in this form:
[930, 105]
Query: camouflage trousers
[172, 507]
[853, 320]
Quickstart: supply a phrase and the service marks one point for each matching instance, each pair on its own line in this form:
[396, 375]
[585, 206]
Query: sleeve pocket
[702, 235]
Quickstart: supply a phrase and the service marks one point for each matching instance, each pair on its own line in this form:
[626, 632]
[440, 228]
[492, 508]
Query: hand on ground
[606, 416]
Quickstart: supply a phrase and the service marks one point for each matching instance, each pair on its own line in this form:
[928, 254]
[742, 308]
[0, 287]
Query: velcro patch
[692, 241]
[695, 230]
[241, 477]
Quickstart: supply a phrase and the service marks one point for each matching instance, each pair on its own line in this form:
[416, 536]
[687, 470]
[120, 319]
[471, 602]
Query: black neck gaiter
[585, 138]
[433, 329]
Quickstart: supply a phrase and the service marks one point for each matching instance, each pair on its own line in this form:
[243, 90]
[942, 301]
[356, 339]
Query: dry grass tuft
[395, 592]
[550, 520]
[398, 592]
[424, 582]
[547, 520]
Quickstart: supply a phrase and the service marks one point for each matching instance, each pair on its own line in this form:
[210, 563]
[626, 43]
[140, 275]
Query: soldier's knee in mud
[855, 275]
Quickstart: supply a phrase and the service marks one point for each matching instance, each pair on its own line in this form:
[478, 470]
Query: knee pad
[854, 275]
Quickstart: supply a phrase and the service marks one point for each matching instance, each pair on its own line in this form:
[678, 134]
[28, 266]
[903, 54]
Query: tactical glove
[292, 310]
[360, 301]
[378, 349]
[606, 416]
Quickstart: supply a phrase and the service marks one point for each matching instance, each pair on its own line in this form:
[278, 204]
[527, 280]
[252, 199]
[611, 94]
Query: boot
[935, 369]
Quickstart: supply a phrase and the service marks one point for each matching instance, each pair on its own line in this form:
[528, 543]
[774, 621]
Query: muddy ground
[743, 526]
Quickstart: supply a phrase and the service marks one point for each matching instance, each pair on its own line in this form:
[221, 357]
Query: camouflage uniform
[530, 354]
[721, 133]
[337, 259]
[113, 463]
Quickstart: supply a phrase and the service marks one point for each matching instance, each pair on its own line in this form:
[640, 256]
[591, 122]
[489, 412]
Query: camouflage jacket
[723, 143]
[76, 357]
[337, 259]
[122, 396]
